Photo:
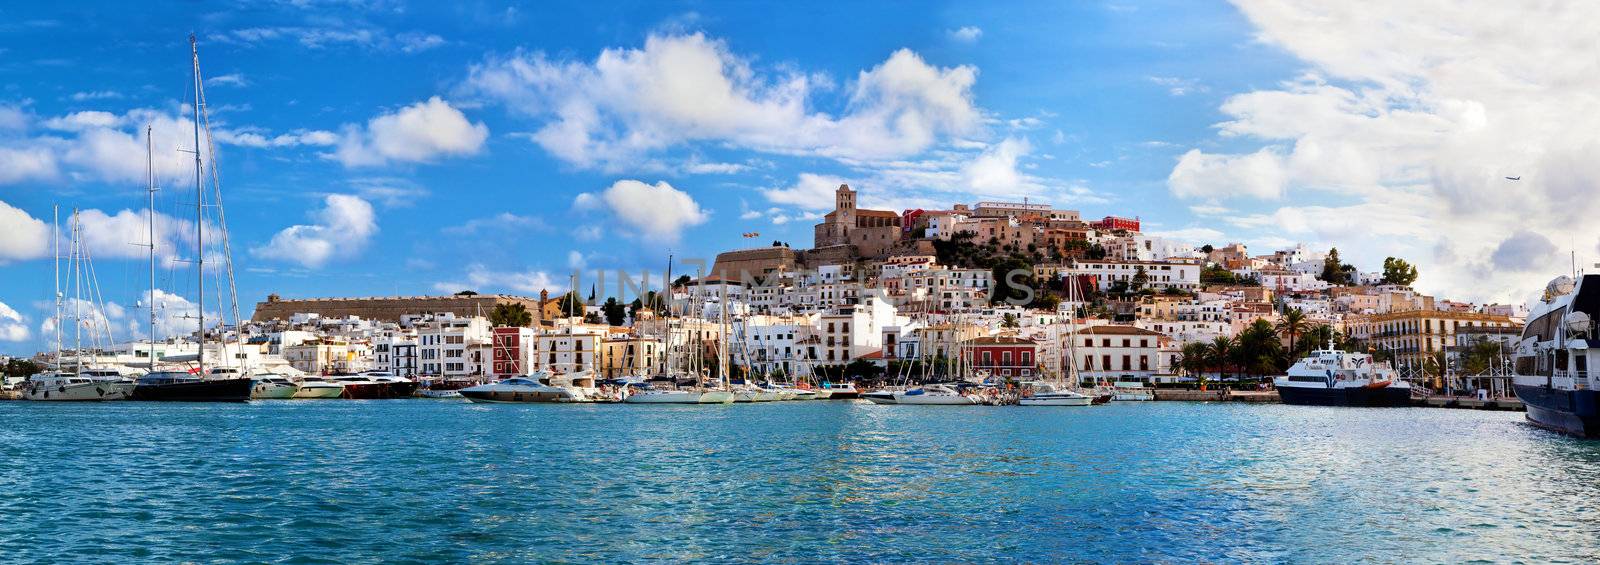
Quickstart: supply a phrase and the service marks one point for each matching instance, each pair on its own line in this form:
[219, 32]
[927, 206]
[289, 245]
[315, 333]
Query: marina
[814, 481]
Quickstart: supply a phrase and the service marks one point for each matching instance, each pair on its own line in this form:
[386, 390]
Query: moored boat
[317, 387]
[1551, 361]
[935, 395]
[521, 389]
[1333, 377]
[1048, 394]
[182, 386]
[838, 391]
[273, 386]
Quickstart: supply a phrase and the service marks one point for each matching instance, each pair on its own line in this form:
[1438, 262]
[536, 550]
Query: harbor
[285, 480]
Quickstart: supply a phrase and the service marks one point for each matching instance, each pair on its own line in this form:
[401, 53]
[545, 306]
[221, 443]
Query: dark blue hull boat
[1575, 412]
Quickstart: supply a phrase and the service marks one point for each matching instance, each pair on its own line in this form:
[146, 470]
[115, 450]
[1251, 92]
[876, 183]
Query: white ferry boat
[1333, 377]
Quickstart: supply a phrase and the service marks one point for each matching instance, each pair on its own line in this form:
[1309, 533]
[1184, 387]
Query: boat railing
[1580, 378]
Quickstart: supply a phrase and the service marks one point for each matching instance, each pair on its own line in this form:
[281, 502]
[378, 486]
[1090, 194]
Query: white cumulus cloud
[1403, 126]
[339, 229]
[628, 103]
[418, 133]
[966, 34]
[13, 327]
[25, 238]
[653, 210]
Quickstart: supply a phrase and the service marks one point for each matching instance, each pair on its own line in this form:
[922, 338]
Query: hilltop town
[1000, 285]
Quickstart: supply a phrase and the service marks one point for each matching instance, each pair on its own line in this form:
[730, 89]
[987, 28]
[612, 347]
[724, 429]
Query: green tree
[681, 280]
[1331, 271]
[1005, 287]
[15, 368]
[1193, 359]
[1219, 354]
[1096, 252]
[1398, 271]
[1293, 325]
[615, 313]
[1257, 350]
[592, 318]
[571, 304]
[1140, 278]
[510, 315]
[1480, 356]
[1010, 321]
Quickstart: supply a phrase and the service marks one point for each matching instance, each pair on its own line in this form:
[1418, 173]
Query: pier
[1270, 396]
[1471, 403]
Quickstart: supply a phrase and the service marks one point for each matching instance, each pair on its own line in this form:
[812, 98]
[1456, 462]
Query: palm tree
[1193, 361]
[1219, 353]
[1293, 325]
[1010, 321]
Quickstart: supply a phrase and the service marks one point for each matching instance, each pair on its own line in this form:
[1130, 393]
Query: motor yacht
[273, 386]
[1049, 394]
[935, 395]
[522, 389]
[317, 387]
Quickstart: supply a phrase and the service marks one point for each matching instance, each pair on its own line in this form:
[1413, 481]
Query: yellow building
[622, 355]
[1414, 336]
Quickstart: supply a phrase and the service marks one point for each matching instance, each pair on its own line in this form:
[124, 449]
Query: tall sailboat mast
[150, 189]
[199, 217]
[55, 238]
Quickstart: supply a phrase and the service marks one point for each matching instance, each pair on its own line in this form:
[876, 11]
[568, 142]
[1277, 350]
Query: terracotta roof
[1115, 329]
[1000, 340]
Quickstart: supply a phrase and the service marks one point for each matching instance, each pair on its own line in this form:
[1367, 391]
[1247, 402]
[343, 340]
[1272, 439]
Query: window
[1105, 362]
[1005, 358]
[1144, 343]
[988, 358]
[1127, 363]
[1127, 342]
[1144, 362]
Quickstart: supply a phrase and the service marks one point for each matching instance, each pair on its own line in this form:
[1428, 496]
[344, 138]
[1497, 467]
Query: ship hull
[221, 390]
[1351, 396]
[1574, 412]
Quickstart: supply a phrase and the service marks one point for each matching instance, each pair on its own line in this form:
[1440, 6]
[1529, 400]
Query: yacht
[189, 387]
[371, 387]
[881, 396]
[1333, 377]
[935, 395]
[666, 396]
[1124, 391]
[1049, 394]
[523, 389]
[397, 386]
[838, 391]
[317, 387]
[65, 386]
[274, 386]
[1551, 361]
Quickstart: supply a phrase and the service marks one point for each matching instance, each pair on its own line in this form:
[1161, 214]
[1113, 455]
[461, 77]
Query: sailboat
[693, 395]
[81, 382]
[197, 385]
[1057, 393]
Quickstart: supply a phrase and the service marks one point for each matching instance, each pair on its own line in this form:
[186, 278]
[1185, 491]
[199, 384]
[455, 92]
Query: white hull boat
[73, 388]
[716, 397]
[664, 397]
[272, 386]
[934, 395]
[522, 389]
[1047, 394]
[319, 389]
[880, 396]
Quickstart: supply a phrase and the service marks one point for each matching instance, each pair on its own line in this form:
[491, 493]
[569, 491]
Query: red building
[1114, 223]
[513, 351]
[1003, 356]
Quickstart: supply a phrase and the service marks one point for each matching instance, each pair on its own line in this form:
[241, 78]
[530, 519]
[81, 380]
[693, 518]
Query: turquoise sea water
[436, 481]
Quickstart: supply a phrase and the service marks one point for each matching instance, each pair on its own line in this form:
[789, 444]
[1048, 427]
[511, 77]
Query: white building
[1161, 274]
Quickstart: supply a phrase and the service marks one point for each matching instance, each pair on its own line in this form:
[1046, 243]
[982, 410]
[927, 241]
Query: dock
[1269, 396]
[1471, 403]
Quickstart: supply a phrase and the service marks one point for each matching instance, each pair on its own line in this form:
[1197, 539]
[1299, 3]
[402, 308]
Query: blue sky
[410, 148]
